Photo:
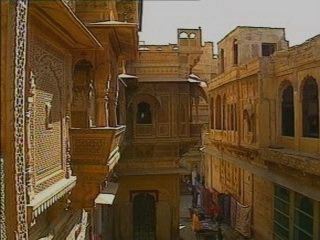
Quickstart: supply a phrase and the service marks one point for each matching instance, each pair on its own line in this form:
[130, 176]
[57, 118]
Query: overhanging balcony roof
[126, 34]
[58, 17]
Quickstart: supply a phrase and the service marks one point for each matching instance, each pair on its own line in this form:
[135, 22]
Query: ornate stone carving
[3, 231]
[49, 69]
[19, 114]
[30, 127]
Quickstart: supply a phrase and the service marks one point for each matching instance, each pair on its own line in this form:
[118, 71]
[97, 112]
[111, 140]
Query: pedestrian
[216, 212]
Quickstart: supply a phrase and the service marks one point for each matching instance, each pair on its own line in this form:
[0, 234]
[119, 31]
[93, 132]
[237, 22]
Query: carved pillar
[101, 109]
[196, 101]
[91, 105]
[112, 103]
[101, 84]
[30, 179]
[113, 95]
[68, 147]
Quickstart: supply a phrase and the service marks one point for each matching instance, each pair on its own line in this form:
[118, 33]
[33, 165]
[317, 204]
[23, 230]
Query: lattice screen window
[296, 217]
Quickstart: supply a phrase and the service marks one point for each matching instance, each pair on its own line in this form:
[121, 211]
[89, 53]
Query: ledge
[151, 171]
[307, 163]
[308, 190]
[52, 194]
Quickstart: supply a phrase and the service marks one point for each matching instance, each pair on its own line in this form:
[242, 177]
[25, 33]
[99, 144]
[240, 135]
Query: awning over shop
[108, 194]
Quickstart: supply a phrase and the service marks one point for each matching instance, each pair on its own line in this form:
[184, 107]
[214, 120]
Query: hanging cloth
[243, 220]
[233, 212]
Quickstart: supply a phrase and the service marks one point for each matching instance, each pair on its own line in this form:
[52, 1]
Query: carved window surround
[48, 197]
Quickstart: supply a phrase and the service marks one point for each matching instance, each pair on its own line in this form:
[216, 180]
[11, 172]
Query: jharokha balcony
[94, 153]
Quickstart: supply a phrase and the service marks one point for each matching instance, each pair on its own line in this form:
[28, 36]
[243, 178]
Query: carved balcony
[94, 153]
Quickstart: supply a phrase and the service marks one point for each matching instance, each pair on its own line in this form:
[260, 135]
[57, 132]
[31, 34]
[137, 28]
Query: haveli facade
[164, 120]
[60, 130]
[262, 149]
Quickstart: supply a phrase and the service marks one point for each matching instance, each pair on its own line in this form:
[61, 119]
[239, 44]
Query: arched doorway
[144, 217]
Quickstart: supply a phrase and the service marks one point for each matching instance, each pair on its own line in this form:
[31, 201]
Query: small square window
[268, 49]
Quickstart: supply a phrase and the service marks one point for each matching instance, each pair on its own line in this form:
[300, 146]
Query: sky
[162, 18]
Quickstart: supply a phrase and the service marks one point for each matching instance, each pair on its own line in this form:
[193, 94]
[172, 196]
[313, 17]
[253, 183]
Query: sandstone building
[60, 62]
[262, 148]
[65, 101]
[163, 120]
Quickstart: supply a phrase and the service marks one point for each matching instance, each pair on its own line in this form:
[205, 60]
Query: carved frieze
[19, 114]
[292, 159]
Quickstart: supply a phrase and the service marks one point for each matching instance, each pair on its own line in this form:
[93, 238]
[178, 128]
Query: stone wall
[263, 209]
[249, 40]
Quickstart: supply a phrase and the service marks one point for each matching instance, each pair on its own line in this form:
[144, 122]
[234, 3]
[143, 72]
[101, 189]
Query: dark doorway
[144, 217]
[287, 112]
[310, 106]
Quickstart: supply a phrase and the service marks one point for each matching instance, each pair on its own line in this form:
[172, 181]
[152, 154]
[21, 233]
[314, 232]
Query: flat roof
[248, 27]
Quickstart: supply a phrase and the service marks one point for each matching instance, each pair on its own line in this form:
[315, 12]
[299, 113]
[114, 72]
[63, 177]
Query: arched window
[235, 52]
[224, 110]
[144, 115]
[183, 35]
[247, 121]
[228, 117]
[218, 113]
[232, 118]
[287, 111]
[252, 123]
[212, 112]
[310, 108]
[144, 217]
[192, 35]
[235, 117]
[222, 60]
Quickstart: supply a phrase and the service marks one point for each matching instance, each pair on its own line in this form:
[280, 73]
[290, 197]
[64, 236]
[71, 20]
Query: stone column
[101, 109]
[112, 103]
[196, 101]
[113, 95]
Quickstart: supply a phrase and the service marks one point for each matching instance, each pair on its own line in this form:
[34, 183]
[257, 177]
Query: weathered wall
[256, 145]
[249, 41]
[262, 209]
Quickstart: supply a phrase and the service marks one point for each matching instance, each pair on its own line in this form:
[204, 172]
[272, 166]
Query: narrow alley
[186, 232]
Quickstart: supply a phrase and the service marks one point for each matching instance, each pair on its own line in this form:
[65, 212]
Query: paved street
[187, 234]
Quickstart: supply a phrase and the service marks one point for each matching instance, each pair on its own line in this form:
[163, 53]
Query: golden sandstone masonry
[97, 130]
[263, 145]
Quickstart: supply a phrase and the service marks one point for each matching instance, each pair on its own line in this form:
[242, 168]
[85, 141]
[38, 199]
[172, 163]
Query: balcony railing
[94, 153]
